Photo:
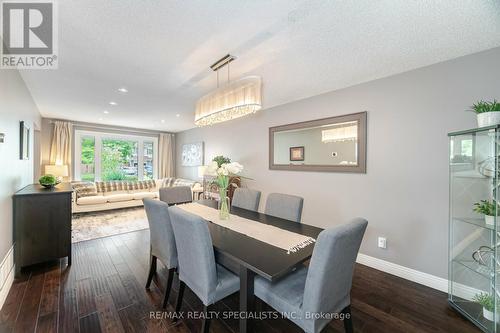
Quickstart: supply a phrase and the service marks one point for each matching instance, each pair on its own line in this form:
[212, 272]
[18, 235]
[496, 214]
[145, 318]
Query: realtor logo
[29, 35]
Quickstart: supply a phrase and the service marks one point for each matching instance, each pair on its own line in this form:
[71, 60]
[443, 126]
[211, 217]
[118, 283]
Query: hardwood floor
[104, 291]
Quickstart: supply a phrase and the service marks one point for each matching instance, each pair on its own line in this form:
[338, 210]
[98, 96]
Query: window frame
[98, 137]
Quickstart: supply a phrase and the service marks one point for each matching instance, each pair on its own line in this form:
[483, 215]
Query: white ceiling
[161, 51]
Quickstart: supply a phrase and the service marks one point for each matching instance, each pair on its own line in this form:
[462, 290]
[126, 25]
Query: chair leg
[171, 273]
[152, 271]
[182, 286]
[205, 326]
[347, 319]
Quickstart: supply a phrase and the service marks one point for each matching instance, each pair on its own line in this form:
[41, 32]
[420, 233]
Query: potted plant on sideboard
[48, 181]
[488, 113]
[487, 302]
[489, 209]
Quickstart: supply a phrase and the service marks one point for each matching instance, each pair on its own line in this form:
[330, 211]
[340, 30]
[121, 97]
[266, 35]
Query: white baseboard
[404, 272]
[6, 275]
[422, 278]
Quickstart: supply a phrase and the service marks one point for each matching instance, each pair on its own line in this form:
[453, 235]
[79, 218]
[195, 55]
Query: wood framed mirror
[335, 144]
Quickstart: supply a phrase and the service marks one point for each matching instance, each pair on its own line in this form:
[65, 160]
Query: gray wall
[404, 193]
[16, 104]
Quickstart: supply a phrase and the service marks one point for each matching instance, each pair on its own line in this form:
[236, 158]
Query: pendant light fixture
[345, 132]
[232, 100]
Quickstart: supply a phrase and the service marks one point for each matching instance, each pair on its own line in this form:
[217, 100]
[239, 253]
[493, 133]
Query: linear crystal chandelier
[347, 132]
[233, 100]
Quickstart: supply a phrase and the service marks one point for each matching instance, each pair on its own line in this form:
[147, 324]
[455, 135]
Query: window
[461, 149]
[466, 147]
[105, 156]
[87, 155]
[119, 160]
[148, 160]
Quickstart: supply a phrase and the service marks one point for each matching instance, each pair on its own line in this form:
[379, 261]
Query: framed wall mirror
[336, 144]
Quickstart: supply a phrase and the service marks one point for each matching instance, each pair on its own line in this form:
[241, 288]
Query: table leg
[247, 300]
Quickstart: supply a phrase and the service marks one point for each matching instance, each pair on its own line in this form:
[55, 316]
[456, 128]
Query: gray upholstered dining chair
[176, 195]
[325, 287]
[285, 206]
[246, 198]
[162, 242]
[197, 268]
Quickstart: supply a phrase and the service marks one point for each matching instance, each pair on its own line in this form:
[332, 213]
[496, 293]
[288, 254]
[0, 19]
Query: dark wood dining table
[248, 257]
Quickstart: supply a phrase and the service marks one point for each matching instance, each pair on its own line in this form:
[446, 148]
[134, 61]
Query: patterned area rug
[112, 222]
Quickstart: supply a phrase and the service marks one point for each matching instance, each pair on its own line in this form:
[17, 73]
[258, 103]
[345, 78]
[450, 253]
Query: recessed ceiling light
[100, 119]
[163, 120]
[123, 90]
[106, 111]
[177, 115]
[113, 103]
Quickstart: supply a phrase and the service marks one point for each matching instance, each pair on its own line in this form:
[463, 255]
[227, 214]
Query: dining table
[248, 257]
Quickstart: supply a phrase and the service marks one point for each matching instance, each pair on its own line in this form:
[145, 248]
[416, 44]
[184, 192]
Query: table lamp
[59, 171]
[201, 171]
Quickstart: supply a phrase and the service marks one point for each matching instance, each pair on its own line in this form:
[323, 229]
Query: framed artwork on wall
[24, 142]
[192, 154]
[297, 153]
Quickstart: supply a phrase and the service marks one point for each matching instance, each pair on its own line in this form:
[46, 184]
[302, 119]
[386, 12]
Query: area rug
[101, 224]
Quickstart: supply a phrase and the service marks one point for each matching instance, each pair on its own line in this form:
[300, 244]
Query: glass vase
[223, 205]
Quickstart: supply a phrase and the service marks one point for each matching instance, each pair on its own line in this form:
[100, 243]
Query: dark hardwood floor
[104, 291]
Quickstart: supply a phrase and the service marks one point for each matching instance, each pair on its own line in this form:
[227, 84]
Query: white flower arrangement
[226, 169]
[222, 175]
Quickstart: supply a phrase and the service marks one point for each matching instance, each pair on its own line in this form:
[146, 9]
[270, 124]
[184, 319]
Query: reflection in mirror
[461, 150]
[334, 144]
[331, 144]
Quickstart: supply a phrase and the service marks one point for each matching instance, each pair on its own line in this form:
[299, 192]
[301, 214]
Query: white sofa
[99, 196]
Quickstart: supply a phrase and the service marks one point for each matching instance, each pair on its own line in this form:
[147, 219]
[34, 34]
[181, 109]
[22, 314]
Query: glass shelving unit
[473, 243]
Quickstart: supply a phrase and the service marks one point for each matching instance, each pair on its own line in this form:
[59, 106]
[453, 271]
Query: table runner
[284, 239]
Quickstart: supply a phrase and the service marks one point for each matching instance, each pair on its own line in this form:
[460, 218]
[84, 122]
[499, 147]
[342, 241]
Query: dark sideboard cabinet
[42, 224]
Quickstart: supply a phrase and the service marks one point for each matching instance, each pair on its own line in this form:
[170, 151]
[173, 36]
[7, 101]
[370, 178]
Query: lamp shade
[201, 171]
[57, 170]
[234, 100]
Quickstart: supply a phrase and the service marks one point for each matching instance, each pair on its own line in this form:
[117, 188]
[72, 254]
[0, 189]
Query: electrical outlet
[382, 242]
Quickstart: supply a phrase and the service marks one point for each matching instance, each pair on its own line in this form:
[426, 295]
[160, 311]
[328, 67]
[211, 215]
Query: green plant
[487, 207]
[113, 175]
[88, 177]
[485, 106]
[485, 300]
[111, 164]
[48, 180]
[221, 160]
[88, 150]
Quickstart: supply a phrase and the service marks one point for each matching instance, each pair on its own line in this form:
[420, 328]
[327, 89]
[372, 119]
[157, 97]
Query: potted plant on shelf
[223, 169]
[488, 113]
[489, 209]
[488, 304]
[48, 181]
